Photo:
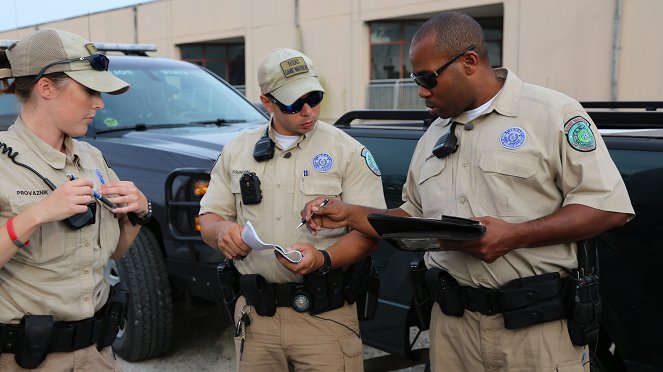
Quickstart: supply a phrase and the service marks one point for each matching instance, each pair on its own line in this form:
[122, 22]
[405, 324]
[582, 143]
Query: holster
[229, 282]
[33, 340]
[583, 302]
[116, 315]
[362, 286]
[423, 302]
[444, 289]
[258, 293]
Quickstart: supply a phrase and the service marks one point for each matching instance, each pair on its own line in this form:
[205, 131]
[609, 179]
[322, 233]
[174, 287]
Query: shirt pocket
[312, 187]
[435, 187]
[47, 242]
[505, 181]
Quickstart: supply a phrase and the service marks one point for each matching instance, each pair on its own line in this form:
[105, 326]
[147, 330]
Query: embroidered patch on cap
[294, 66]
[579, 134]
[91, 48]
[513, 138]
[370, 161]
[323, 162]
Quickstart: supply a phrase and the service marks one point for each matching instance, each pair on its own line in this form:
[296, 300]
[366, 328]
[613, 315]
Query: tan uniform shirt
[61, 272]
[526, 156]
[323, 162]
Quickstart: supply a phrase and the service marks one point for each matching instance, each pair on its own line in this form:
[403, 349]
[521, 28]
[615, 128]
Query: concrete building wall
[566, 45]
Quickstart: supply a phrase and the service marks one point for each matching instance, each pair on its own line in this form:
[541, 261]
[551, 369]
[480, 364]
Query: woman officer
[63, 211]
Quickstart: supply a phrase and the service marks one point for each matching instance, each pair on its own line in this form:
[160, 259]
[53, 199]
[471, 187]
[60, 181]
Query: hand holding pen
[107, 203]
[324, 202]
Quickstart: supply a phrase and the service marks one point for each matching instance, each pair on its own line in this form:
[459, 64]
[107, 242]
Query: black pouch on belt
[446, 292]
[335, 288]
[316, 286]
[532, 300]
[258, 293]
[33, 340]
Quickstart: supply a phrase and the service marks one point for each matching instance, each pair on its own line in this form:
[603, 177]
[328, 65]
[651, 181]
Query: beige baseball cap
[31, 54]
[287, 75]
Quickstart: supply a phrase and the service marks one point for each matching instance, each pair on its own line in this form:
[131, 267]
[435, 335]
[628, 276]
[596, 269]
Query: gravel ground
[203, 341]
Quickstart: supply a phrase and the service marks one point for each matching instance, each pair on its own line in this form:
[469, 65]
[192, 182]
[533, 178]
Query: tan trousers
[476, 342]
[87, 359]
[292, 341]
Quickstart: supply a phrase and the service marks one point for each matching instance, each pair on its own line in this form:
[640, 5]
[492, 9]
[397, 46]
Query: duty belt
[523, 301]
[66, 336]
[317, 294]
[38, 335]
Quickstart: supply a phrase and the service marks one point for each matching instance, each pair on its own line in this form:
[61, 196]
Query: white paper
[252, 239]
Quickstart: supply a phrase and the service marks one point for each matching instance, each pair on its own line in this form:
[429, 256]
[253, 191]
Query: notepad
[252, 239]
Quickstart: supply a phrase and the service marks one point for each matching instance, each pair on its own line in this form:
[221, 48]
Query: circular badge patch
[513, 138]
[579, 134]
[370, 161]
[323, 162]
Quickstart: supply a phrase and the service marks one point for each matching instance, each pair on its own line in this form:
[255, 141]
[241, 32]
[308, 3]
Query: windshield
[167, 93]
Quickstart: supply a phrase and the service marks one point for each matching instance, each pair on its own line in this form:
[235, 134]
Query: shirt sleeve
[219, 198]
[588, 174]
[362, 183]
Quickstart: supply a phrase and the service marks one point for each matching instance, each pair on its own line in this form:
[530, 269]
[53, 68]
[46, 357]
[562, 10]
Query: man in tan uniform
[55, 303]
[309, 159]
[531, 167]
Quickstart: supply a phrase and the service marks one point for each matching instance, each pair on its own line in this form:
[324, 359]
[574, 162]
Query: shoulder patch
[579, 134]
[370, 161]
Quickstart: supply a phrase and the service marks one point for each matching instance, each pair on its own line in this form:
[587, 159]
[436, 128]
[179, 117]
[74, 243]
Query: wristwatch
[135, 220]
[326, 264]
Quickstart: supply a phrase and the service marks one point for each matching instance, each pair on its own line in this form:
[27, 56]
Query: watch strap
[326, 264]
[135, 220]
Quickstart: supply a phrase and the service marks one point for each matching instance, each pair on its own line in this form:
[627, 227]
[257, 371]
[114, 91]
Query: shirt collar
[303, 139]
[508, 98]
[43, 150]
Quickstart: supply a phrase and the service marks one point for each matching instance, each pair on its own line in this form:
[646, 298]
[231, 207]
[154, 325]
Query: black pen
[324, 202]
[98, 196]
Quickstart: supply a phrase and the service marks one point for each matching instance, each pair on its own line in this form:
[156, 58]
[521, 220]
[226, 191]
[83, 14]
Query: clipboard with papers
[422, 234]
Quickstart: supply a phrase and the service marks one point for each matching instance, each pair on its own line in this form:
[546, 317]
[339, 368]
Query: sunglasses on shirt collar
[312, 99]
[98, 62]
[429, 81]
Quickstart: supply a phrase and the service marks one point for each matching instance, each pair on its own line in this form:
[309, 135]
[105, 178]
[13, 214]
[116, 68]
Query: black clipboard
[422, 234]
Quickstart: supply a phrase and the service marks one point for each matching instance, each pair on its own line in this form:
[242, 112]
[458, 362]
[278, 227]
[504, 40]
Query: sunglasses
[429, 81]
[313, 99]
[98, 62]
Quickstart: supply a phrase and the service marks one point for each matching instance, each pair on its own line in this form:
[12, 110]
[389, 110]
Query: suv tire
[148, 331]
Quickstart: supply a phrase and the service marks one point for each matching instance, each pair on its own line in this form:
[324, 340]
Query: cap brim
[289, 93]
[101, 81]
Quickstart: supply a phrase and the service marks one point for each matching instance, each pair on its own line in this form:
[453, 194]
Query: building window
[226, 60]
[390, 46]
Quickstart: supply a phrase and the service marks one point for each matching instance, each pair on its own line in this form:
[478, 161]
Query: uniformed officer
[57, 234]
[532, 168]
[292, 160]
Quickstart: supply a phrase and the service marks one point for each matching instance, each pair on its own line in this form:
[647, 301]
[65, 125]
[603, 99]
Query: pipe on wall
[616, 47]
